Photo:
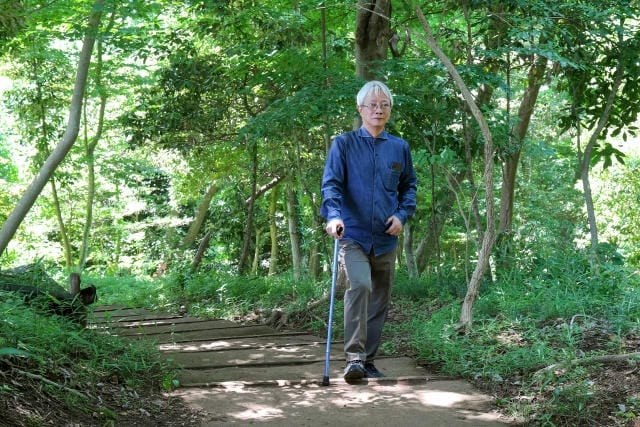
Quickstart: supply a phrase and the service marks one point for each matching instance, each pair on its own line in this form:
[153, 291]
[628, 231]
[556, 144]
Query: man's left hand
[394, 226]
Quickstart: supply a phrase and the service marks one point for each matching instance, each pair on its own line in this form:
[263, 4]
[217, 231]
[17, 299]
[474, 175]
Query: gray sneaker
[354, 370]
[370, 371]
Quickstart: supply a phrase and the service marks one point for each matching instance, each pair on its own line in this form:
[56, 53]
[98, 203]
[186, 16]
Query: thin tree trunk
[64, 236]
[585, 161]
[315, 260]
[202, 247]
[294, 232]
[412, 268]
[90, 148]
[256, 253]
[428, 245]
[201, 215]
[519, 132]
[248, 227]
[314, 251]
[273, 231]
[27, 200]
[468, 136]
[118, 228]
[466, 318]
[91, 191]
[314, 254]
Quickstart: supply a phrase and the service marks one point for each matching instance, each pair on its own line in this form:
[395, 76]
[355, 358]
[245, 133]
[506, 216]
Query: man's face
[375, 112]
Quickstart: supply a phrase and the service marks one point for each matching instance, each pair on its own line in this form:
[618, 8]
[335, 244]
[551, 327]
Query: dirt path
[252, 374]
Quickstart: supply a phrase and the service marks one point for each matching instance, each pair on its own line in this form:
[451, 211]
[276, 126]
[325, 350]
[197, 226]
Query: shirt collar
[365, 134]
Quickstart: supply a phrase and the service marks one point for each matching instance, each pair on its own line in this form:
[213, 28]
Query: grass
[524, 324]
[46, 353]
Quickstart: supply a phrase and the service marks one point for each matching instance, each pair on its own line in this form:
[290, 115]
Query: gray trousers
[366, 300]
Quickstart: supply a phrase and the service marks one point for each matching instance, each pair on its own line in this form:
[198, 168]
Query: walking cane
[334, 274]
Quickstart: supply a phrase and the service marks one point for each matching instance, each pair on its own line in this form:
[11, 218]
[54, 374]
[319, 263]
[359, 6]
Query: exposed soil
[607, 395]
[28, 401]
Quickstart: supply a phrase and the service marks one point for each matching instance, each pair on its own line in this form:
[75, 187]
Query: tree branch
[52, 383]
[489, 236]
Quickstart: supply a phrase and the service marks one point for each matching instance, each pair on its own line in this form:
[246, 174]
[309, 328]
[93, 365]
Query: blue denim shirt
[366, 180]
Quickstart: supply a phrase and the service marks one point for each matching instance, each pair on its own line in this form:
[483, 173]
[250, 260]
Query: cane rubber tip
[325, 381]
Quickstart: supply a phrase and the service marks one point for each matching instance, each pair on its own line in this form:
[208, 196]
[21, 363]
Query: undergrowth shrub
[52, 346]
[446, 286]
[527, 320]
[225, 295]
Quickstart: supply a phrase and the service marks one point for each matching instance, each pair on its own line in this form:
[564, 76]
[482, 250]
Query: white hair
[375, 87]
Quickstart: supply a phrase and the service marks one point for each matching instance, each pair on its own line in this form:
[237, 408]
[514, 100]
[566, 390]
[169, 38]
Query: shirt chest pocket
[391, 176]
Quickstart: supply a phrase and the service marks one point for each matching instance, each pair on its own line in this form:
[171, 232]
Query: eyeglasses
[374, 106]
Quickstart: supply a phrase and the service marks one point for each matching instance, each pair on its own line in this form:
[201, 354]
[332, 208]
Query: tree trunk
[372, 36]
[202, 247]
[74, 284]
[273, 231]
[412, 267]
[315, 257]
[90, 148]
[468, 138]
[91, 192]
[585, 161]
[256, 253]
[314, 252]
[64, 236]
[198, 222]
[428, 246]
[466, 312]
[519, 132]
[248, 227]
[27, 200]
[484, 255]
[294, 232]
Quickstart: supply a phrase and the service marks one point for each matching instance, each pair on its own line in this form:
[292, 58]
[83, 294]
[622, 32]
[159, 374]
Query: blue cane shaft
[334, 275]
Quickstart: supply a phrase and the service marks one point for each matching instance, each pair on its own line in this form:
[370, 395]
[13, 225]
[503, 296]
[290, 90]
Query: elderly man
[369, 192]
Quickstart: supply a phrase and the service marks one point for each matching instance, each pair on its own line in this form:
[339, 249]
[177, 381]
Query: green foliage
[223, 295]
[617, 200]
[528, 321]
[49, 345]
[8, 171]
[214, 294]
[442, 288]
[11, 20]
[629, 410]
[193, 87]
[568, 399]
[599, 47]
[8, 175]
